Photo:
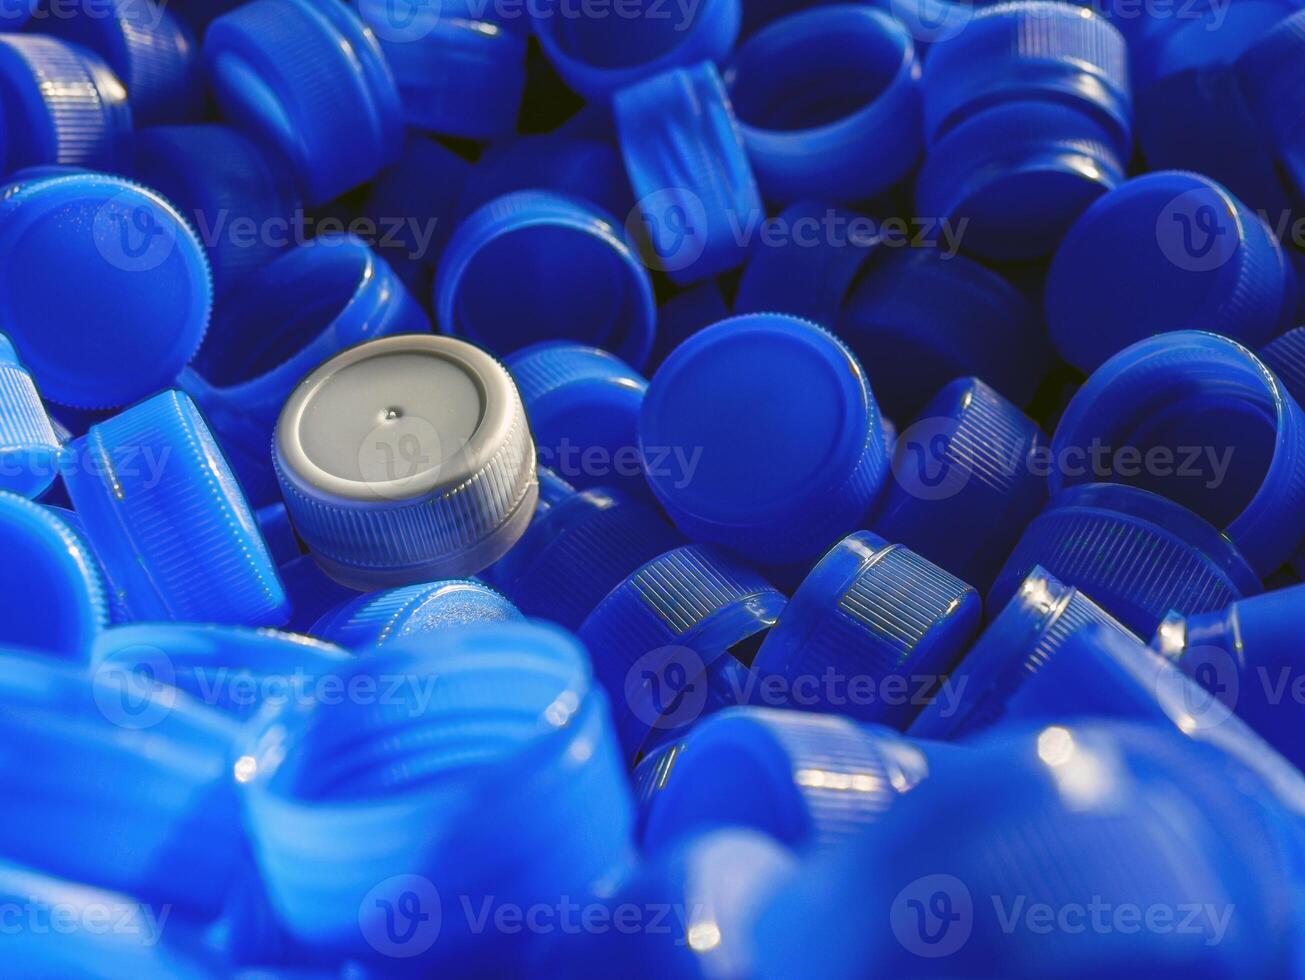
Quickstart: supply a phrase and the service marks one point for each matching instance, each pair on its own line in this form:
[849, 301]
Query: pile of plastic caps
[652, 488]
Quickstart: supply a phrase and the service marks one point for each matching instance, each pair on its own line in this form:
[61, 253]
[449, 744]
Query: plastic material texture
[414, 614]
[1269, 70]
[29, 446]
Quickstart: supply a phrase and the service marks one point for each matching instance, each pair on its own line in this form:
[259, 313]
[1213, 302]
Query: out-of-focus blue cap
[15, 13]
[650, 777]
[221, 181]
[104, 288]
[870, 632]
[29, 446]
[1177, 249]
[919, 319]
[1271, 70]
[167, 518]
[310, 78]
[413, 611]
[683, 315]
[658, 635]
[490, 773]
[1208, 35]
[288, 316]
[534, 265]
[1199, 419]
[855, 130]
[1137, 554]
[790, 455]
[1019, 640]
[62, 105]
[689, 212]
[596, 56]
[1285, 357]
[967, 477]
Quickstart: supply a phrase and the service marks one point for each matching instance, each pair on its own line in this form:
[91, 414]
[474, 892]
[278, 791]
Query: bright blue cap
[534, 265]
[169, 521]
[1019, 640]
[310, 78]
[15, 13]
[684, 314]
[967, 476]
[1208, 35]
[288, 316]
[29, 446]
[687, 164]
[853, 128]
[1178, 250]
[790, 455]
[1136, 553]
[118, 782]
[489, 772]
[655, 637]
[579, 547]
[278, 533]
[118, 612]
[104, 288]
[50, 585]
[597, 55]
[413, 612]
[239, 196]
[809, 268]
[232, 669]
[61, 104]
[406, 459]
[145, 45]
[1197, 418]
[919, 319]
[650, 777]
[870, 632]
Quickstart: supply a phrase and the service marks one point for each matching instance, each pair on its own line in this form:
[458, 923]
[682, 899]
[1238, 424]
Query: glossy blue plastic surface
[29, 445]
[414, 614]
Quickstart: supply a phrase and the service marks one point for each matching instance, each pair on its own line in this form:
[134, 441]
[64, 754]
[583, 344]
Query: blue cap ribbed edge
[376, 618]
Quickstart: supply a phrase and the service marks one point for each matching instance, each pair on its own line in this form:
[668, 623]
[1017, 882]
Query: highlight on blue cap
[413, 612]
[29, 445]
[167, 518]
[1179, 250]
[688, 215]
[1199, 419]
[650, 777]
[51, 588]
[596, 56]
[1020, 639]
[62, 105]
[310, 78]
[1137, 554]
[352, 805]
[870, 633]
[669, 641]
[854, 129]
[104, 288]
[918, 319]
[534, 265]
[790, 456]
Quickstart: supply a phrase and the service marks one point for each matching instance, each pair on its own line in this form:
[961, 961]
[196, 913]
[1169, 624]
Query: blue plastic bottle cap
[810, 269]
[413, 612]
[533, 265]
[278, 533]
[809, 781]
[1135, 553]
[145, 46]
[855, 129]
[117, 610]
[1208, 35]
[684, 314]
[29, 446]
[1012, 178]
[1197, 418]
[583, 406]
[687, 164]
[238, 196]
[351, 805]
[61, 104]
[596, 55]
[169, 521]
[658, 635]
[1178, 250]
[650, 777]
[406, 459]
[1019, 640]
[1031, 50]
[579, 547]
[790, 456]
[104, 289]
[1270, 70]
[53, 596]
[287, 317]
[871, 612]
[311, 78]
[15, 13]
[918, 320]
[231, 669]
